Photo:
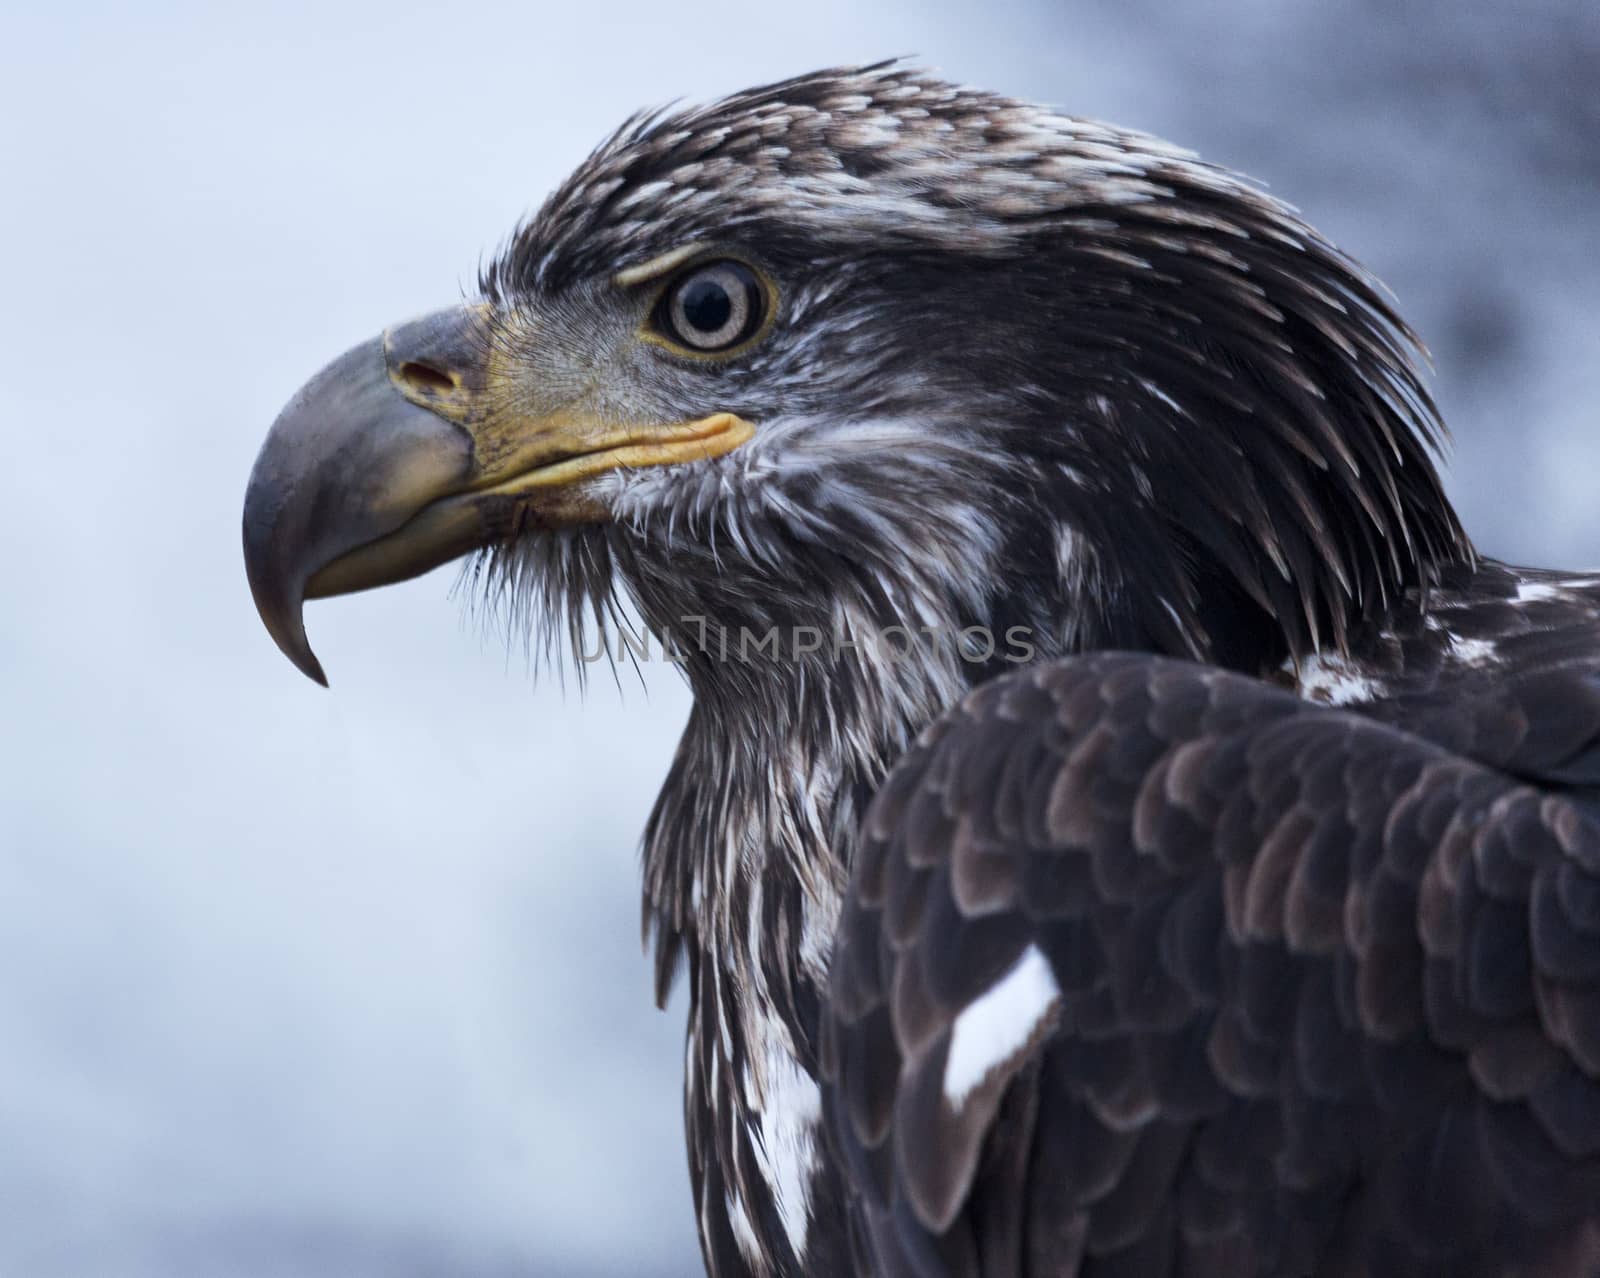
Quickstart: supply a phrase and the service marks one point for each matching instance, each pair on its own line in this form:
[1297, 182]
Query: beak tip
[279, 604]
[290, 635]
[312, 669]
[295, 646]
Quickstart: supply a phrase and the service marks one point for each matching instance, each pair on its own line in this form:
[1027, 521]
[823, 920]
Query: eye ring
[712, 308]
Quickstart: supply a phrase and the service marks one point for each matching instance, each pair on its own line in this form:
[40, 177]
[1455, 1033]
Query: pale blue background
[336, 985]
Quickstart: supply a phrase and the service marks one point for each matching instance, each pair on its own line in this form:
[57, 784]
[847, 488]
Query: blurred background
[348, 984]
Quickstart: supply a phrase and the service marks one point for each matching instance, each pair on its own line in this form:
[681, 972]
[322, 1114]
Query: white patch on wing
[1335, 680]
[1536, 591]
[1472, 652]
[992, 1030]
[789, 1104]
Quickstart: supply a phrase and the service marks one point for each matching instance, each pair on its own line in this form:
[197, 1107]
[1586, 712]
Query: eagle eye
[713, 307]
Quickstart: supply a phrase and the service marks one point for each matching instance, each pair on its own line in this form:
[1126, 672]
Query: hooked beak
[409, 451]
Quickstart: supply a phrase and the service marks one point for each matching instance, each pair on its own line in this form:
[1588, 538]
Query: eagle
[1124, 827]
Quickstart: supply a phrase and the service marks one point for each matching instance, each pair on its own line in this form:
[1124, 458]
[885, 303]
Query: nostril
[425, 377]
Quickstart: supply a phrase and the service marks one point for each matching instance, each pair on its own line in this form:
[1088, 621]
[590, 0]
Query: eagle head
[866, 350]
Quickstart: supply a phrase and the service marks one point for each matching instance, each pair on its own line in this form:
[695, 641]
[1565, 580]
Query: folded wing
[1152, 969]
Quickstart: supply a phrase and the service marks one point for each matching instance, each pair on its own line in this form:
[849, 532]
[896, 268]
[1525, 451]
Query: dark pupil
[706, 305]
